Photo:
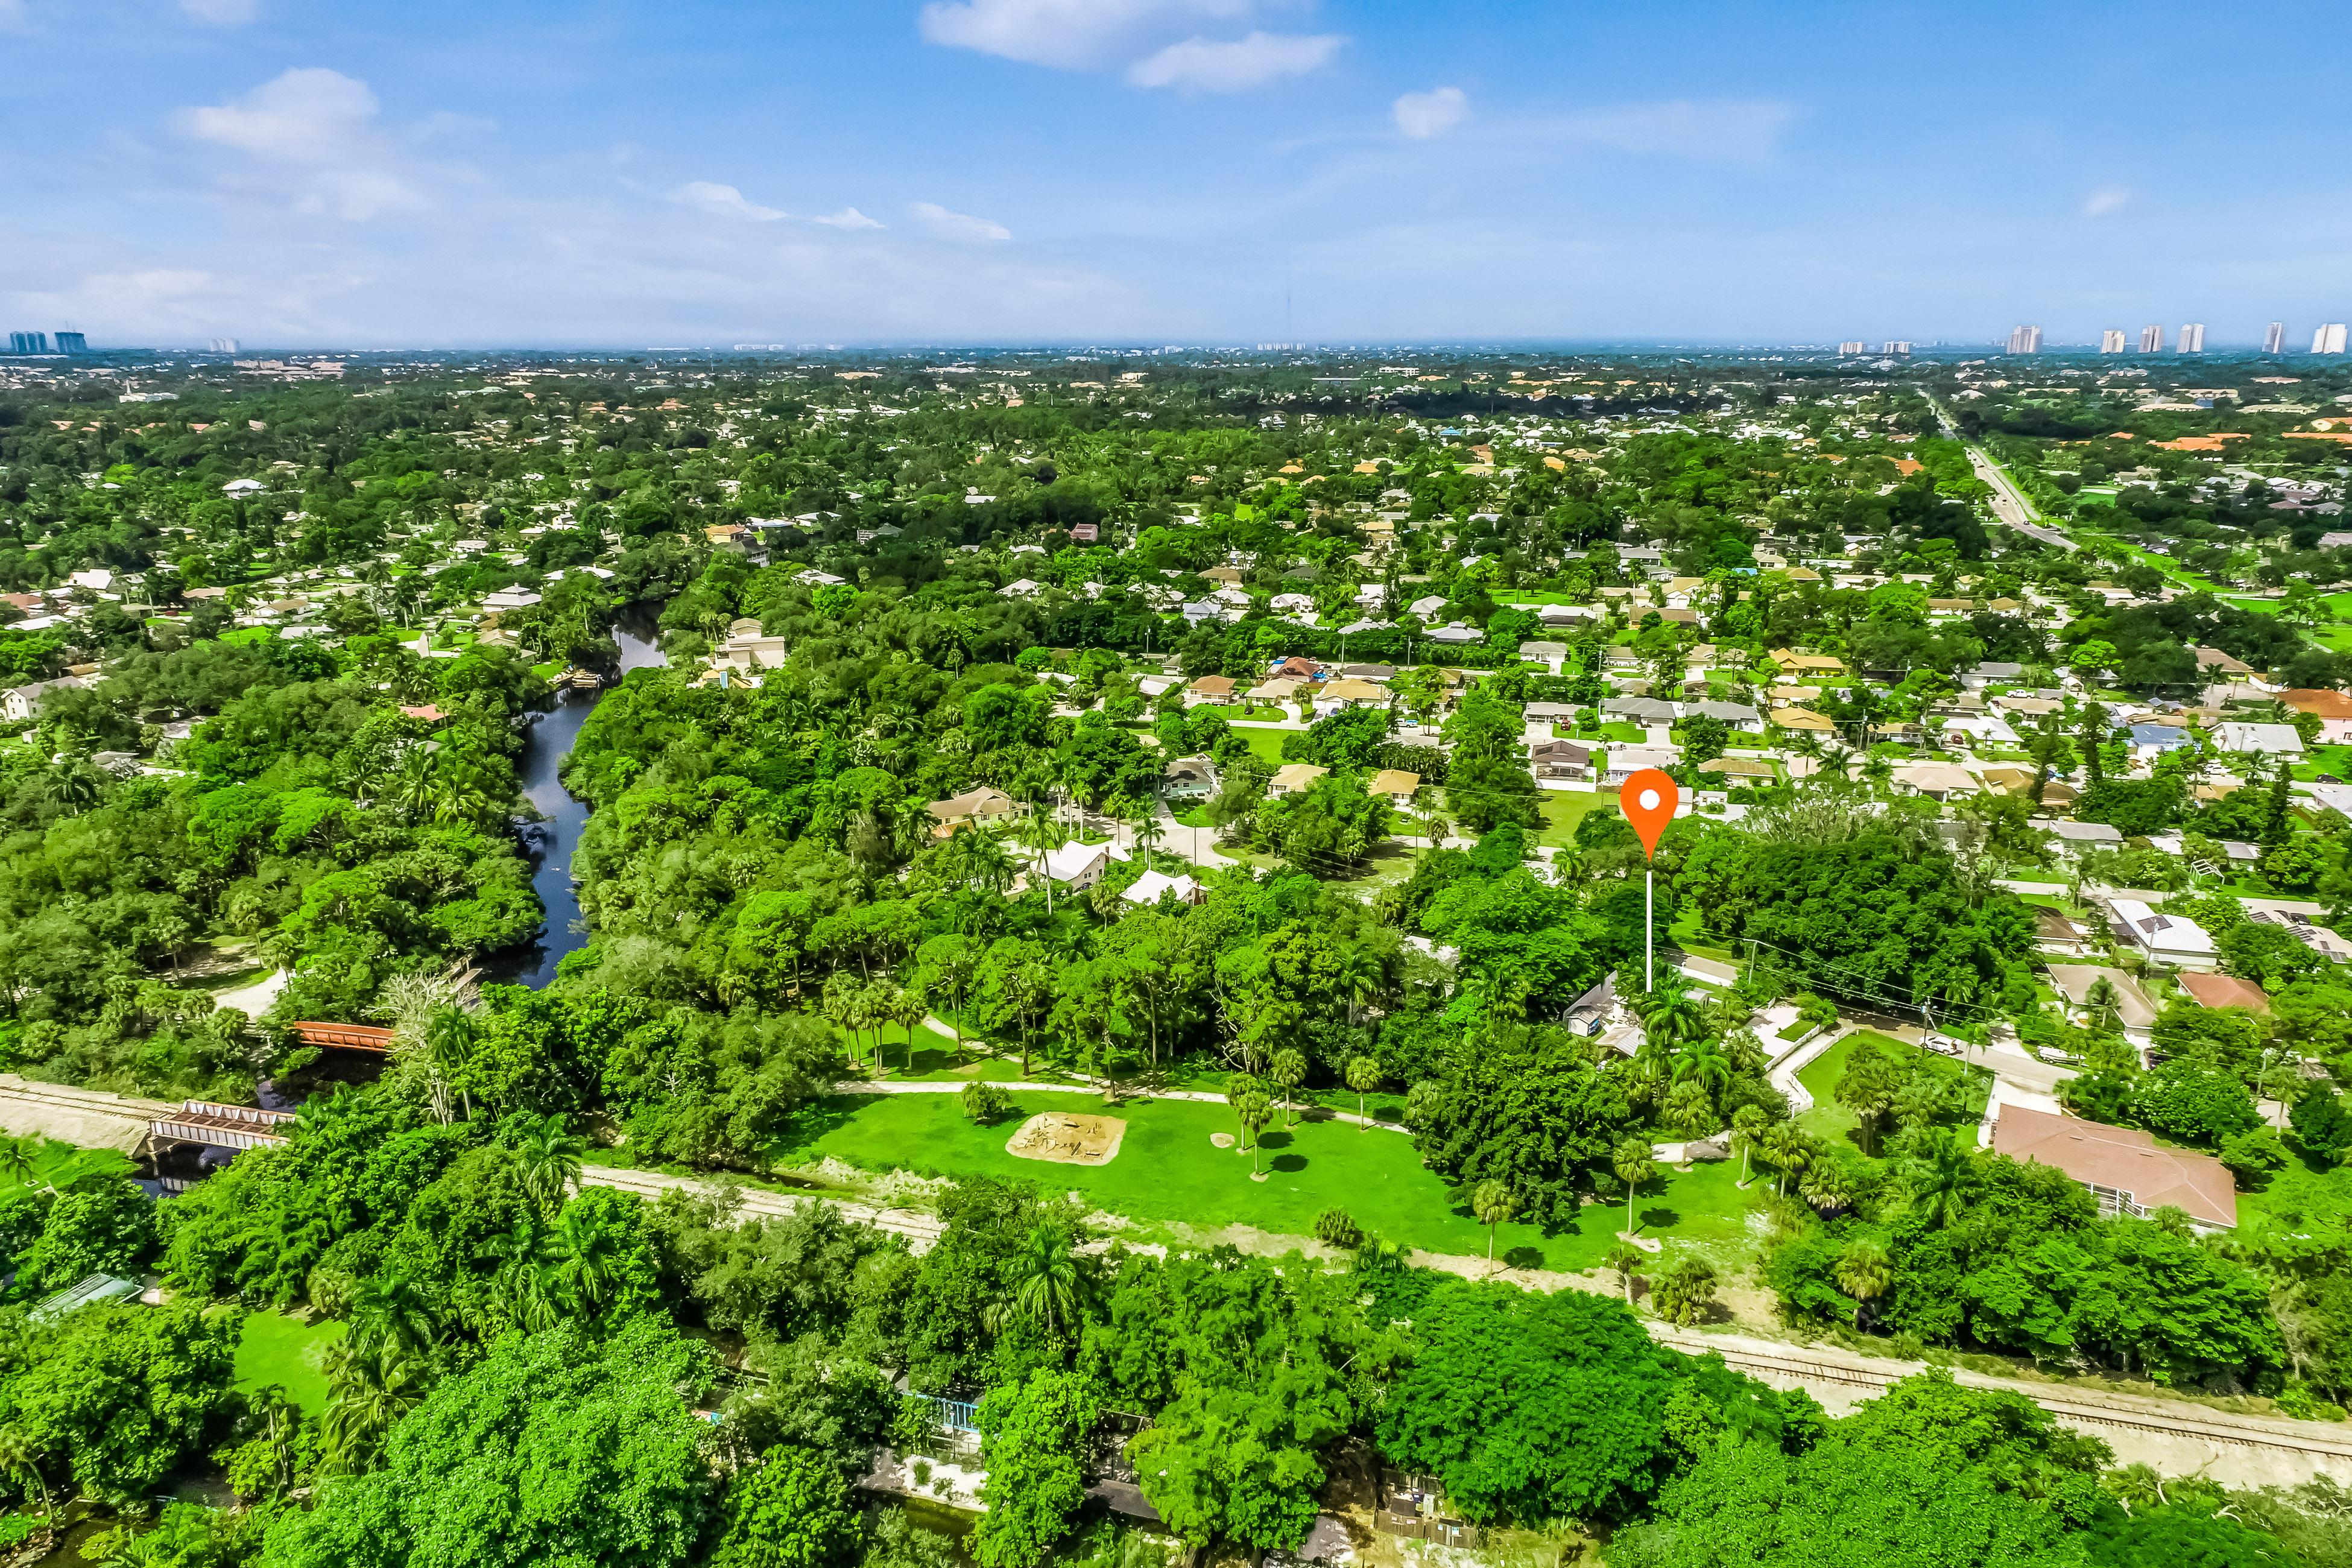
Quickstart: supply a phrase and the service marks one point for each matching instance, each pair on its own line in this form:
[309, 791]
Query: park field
[1168, 1171]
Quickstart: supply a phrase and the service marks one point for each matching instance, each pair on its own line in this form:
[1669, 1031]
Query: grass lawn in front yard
[1167, 1170]
[286, 1351]
[1831, 1122]
[61, 1165]
[1564, 808]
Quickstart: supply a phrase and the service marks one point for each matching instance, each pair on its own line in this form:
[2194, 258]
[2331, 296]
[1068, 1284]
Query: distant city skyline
[1202, 170]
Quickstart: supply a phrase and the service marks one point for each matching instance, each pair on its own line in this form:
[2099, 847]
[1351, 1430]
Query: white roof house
[1081, 865]
[1020, 588]
[2269, 739]
[2175, 939]
[1148, 887]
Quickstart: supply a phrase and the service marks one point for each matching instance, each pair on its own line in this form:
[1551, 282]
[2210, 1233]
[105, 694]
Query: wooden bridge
[344, 1037]
[220, 1126]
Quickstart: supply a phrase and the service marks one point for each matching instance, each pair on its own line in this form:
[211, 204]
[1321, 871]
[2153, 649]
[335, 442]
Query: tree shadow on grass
[1273, 1138]
[812, 1121]
[1661, 1218]
[1524, 1257]
[1289, 1163]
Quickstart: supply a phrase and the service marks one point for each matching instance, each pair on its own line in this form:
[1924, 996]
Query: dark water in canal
[551, 843]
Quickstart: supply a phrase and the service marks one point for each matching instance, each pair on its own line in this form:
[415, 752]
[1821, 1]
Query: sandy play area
[1067, 1139]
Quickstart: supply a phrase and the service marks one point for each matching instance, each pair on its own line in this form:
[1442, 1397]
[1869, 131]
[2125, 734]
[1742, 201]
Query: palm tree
[1940, 1184]
[1253, 1111]
[1492, 1204]
[1147, 830]
[1632, 1161]
[1363, 1077]
[1705, 1063]
[1747, 1125]
[589, 1260]
[549, 1162]
[388, 1309]
[20, 1456]
[1670, 1014]
[373, 1390]
[449, 1045]
[1863, 1273]
[1826, 1187]
[1045, 1283]
[1288, 1069]
[16, 1157]
[1624, 1259]
[907, 1008]
[72, 788]
[526, 1283]
[1787, 1150]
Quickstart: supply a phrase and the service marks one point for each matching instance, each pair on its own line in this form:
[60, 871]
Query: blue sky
[524, 173]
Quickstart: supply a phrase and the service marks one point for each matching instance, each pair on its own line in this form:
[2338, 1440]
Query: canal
[551, 842]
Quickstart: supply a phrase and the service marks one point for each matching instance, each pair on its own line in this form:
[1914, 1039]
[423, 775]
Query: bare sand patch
[1066, 1138]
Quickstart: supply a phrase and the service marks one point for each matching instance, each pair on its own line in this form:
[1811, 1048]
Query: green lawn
[62, 1163]
[1266, 744]
[1168, 1170]
[290, 1352]
[2302, 1198]
[1831, 1121]
[1563, 809]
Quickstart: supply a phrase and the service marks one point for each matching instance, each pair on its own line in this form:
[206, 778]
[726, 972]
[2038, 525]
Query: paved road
[2009, 502]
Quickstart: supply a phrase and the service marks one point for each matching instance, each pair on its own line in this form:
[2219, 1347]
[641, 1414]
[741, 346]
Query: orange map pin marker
[1649, 799]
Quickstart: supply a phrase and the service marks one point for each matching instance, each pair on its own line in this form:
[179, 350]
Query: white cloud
[1422, 115]
[723, 201]
[1739, 129]
[1074, 35]
[222, 12]
[12, 16]
[961, 226]
[311, 138]
[2107, 199]
[1205, 64]
[848, 217]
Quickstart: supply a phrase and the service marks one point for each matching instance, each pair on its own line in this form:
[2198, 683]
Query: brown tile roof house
[1213, 688]
[1395, 782]
[2125, 1168]
[2224, 991]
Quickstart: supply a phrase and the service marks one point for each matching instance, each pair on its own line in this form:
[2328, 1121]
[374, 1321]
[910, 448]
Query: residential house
[1551, 712]
[1294, 778]
[2213, 661]
[972, 809]
[2073, 837]
[1960, 732]
[2149, 741]
[1624, 762]
[2129, 1005]
[1151, 886]
[1802, 720]
[1393, 785]
[2332, 709]
[2167, 938]
[1992, 672]
[2126, 1170]
[1426, 608]
[1188, 779]
[1347, 692]
[1733, 769]
[1807, 665]
[1559, 760]
[1551, 653]
[1081, 866]
[1638, 709]
[1739, 715]
[1367, 671]
[24, 701]
[2300, 919]
[2219, 991]
[1212, 688]
[1938, 781]
[1295, 667]
[1558, 617]
[2054, 932]
[1454, 635]
[1020, 588]
[1278, 690]
[2263, 739]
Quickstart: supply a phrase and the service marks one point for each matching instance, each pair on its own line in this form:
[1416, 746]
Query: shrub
[1336, 1227]
[984, 1102]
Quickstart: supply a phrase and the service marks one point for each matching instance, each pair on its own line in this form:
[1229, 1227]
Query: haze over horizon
[1179, 171]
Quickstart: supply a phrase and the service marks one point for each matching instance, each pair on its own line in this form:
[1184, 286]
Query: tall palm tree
[1703, 1062]
[1493, 1203]
[1747, 1125]
[1940, 1184]
[372, 1391]
[1288, 1071]
[1363, 1077]
[1045, 1283]
[548, 1157]
[448, 1046]
[1632, 1162]
[907, 1009]
[1670, 1014]
[1863, 1273]
[17, 1158]
[1624, 1260]
[1787, 1150]
[588, 1270]
[387, 1308]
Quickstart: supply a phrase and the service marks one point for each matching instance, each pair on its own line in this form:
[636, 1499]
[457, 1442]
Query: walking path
[1307, 1112]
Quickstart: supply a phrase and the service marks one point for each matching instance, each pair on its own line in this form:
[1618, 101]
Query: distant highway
[2009, 502]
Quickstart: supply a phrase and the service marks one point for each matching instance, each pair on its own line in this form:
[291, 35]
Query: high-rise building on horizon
[2274, 338]
[2192, 337]
[1851, 346]
[1899, 346]
[28, 342]
[2025, 340]
[223, 345]
[2151, 340]
[2111, 341]
[2328, 338]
